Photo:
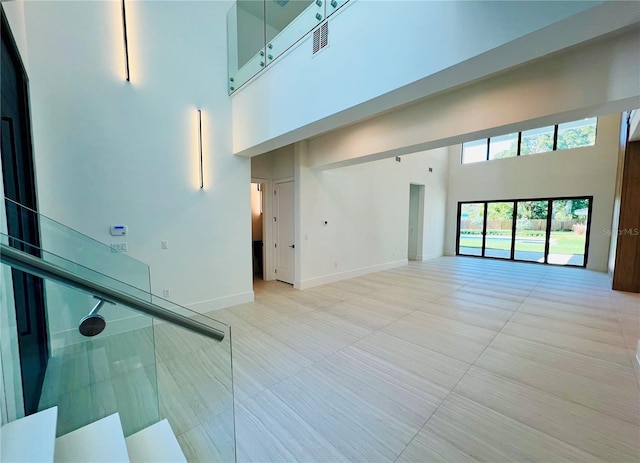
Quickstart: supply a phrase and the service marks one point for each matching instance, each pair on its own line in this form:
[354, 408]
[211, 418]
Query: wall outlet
[119, 247]
[164, 244]
[166, 293]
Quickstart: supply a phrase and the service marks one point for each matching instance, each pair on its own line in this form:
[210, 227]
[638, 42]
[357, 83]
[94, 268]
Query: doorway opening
[416, 221]
[257, 229]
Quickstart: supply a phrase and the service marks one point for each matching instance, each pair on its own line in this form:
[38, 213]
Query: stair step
[157, 444]
[100, 441]
[19, 442]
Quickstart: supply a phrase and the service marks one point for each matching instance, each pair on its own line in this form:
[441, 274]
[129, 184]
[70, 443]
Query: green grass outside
[561, 243]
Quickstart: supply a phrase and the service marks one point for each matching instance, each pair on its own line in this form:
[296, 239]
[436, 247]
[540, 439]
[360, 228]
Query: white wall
[383, 54]
[366, 208]
[275, 165]
[111, 152]
[589, 171]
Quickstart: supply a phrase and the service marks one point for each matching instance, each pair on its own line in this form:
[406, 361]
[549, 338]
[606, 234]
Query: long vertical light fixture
[126, 44]
[200, 147]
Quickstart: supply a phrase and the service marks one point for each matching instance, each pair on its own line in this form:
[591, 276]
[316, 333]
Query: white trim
[221, 302]
[333, 277]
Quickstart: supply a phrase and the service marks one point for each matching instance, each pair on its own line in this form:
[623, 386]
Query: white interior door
[284, 224]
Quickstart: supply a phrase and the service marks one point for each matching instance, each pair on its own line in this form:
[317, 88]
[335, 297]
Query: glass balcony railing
[259, 31]
[143, 357]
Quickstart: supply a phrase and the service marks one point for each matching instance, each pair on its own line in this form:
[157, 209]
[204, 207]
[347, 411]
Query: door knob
[292, 246]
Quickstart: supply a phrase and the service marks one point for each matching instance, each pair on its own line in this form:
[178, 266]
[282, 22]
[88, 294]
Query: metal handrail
[34, 265]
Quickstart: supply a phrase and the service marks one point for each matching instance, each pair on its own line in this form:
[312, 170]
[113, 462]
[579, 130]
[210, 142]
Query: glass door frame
[549, 220]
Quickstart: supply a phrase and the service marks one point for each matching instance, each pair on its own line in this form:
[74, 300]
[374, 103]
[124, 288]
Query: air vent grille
[321, 37]
[324, 35]
[316, 41]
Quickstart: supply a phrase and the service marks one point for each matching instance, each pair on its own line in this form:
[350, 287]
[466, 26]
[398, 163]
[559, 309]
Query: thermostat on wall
[118, 230]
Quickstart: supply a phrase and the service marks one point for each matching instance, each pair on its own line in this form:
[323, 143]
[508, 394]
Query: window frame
[519, 147]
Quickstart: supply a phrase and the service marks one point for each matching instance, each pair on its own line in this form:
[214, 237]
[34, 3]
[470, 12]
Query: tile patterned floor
[452, 359]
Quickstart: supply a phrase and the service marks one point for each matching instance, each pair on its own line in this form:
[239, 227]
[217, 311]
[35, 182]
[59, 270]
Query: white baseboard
[221, 302]
[333, 277]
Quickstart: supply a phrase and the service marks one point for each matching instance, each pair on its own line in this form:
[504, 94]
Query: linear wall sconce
[126, 44]
[200, 147]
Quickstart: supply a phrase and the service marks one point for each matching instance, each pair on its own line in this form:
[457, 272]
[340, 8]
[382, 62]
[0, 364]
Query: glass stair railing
[145, 358]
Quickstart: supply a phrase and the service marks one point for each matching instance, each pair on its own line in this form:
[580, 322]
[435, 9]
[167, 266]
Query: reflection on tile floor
[452, 359]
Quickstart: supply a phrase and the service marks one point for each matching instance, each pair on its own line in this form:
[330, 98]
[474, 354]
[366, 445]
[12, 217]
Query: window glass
[531, 231]
[568, 240]
[471, 222]
[577, 133]
[474, 151]
[499, 230]
[537, 140]
[504, 146]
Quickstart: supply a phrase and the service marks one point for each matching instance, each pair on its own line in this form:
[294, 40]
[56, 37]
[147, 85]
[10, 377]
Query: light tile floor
[452, 359]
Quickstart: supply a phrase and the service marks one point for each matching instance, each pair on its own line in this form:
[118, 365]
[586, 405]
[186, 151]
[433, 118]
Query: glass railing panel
[142, 367]
[259, 31]
[88, 378]
[195, 385]
[290, 22]
[334, 5]
[245, 41]
[68, 246]
[13, 404]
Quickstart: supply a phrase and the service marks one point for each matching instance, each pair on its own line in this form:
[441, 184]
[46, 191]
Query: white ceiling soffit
[601, 20]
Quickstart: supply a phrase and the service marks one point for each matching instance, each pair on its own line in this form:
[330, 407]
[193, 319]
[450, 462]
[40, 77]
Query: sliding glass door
[549, 230]
[531, 231]
[499, 230]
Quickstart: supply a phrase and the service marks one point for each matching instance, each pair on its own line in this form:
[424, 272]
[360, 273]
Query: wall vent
[321, 37]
